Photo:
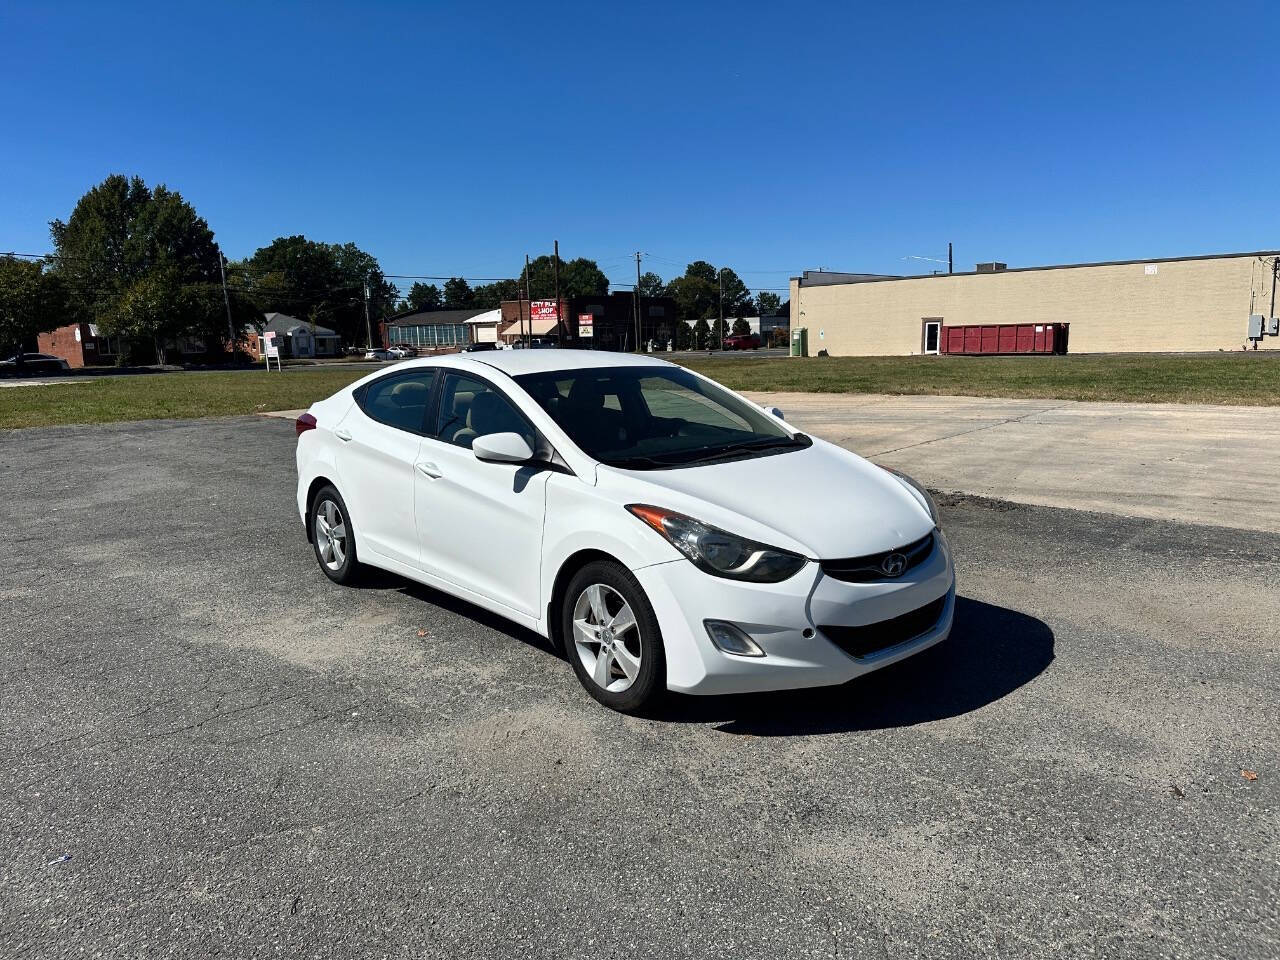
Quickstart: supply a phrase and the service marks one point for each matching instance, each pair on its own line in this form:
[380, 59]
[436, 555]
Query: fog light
[731, 639]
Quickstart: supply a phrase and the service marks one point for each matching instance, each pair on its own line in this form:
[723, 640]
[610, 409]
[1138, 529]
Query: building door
[932, 333]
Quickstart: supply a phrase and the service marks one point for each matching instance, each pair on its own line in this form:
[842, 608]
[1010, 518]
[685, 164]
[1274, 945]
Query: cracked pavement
[242, 759]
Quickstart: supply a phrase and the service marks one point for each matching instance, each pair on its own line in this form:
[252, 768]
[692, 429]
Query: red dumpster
[998, 338]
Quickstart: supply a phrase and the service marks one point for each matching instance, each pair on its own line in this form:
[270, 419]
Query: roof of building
[414, 317]
[820, 278]
[283, 323]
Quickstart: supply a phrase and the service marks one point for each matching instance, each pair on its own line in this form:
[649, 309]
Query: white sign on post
[270, 348]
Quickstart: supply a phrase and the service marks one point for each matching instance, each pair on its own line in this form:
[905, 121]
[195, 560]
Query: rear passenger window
[399, 401]
[470, 408]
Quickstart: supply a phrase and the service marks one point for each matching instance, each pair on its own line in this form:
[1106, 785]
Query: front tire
[612, 638]
[332, 536]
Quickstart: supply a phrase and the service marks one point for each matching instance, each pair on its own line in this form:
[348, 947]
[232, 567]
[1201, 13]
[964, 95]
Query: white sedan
[379, 354]
[664, 532]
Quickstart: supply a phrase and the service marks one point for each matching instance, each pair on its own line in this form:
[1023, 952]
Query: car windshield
[648, 418]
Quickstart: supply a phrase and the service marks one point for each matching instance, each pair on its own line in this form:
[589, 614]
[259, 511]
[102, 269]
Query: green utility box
[800, 342]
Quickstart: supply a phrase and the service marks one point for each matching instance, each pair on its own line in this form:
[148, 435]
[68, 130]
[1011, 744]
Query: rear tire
[611, 637]
[332, 537]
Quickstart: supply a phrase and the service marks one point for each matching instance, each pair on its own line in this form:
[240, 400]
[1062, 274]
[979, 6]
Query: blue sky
[453, 139]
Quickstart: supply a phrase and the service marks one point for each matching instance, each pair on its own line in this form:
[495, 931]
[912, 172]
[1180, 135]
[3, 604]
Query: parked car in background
[377, 353]
[33, 365]
[402, 350]
[479, 347]
[612, 503]
[742, 341]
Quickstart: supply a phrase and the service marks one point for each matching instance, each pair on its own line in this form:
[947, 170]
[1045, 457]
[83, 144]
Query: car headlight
[717, 551]
[921, 493]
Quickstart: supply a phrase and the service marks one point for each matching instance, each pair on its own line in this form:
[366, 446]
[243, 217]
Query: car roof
[514, 363]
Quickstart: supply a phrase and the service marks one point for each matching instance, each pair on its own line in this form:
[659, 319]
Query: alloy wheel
[331, 535]
[606, 637]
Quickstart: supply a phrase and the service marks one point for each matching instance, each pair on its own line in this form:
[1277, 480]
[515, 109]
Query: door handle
[343, 435]
[430, 470]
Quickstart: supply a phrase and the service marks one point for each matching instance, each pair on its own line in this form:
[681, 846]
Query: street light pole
[636, 298]
[368, 327]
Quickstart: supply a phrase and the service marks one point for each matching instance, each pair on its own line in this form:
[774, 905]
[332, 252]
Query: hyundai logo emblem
[893, 564]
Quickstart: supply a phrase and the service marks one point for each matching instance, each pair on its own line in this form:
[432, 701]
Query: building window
[430, 334]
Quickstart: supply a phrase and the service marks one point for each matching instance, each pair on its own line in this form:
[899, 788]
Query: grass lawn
[168, 395]
[1236, 378]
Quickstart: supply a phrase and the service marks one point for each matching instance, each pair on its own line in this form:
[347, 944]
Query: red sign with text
[543, 310]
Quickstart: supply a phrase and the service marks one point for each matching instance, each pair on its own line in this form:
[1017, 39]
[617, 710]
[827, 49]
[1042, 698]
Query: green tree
[424, 296]
[32, 300]
[140, 261]
[741, 327]
[701, 334]
[320, 282]
[695, 292]
[683, 336]
[458, 294]
[768, 302]
[579, 277]
[488, 296]
[698, 292]
[651, 285]
[737, 298]
[719, 330]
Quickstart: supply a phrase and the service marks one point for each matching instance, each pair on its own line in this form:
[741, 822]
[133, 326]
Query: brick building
[81, 345]
[612, 320]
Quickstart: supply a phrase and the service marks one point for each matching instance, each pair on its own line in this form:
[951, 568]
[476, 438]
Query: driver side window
[470, 408]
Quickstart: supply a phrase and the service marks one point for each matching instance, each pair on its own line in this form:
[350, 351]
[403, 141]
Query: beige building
[1171, 305]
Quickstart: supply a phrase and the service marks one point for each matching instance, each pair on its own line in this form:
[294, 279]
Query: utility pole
[720, 277]
[636, 298]
[555, 276]
[231, 330]
[529, 337]
[950, 262]
[368, 328]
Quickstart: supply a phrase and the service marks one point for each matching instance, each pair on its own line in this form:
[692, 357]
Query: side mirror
[502, 448]
[774, 411]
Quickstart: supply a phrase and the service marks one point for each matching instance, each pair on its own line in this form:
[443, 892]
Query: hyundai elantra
[662, 531]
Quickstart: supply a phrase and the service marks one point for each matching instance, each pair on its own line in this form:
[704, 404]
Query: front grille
[862, 642]
[870, 568]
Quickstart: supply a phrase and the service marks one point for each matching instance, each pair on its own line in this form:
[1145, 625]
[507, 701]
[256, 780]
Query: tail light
[304, 423]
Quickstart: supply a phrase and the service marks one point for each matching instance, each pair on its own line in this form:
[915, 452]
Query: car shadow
[991, 652]
[375, 579]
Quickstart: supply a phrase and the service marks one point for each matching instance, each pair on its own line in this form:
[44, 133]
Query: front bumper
[777, 616]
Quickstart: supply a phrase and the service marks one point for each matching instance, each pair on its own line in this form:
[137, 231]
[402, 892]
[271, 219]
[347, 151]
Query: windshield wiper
[631, 463]
[683, 458]
[752, 446]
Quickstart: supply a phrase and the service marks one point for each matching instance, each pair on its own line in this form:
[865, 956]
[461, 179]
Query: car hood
[822, 501]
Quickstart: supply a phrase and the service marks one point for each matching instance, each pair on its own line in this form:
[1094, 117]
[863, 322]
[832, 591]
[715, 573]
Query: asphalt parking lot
[209, 749]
